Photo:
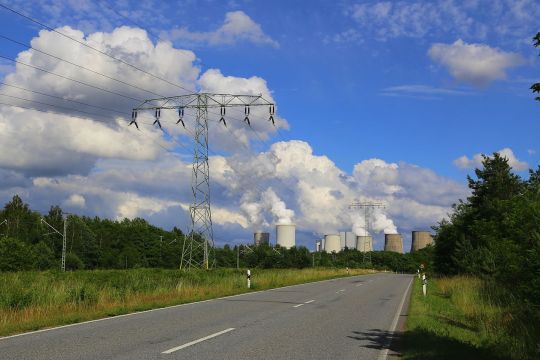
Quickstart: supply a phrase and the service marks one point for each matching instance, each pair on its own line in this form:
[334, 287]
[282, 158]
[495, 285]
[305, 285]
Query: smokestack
[393, 242]
[364, 243]
[420, 239]
[260, 238]
[286, 235]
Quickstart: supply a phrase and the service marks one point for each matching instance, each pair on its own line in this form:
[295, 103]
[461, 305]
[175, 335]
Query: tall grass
[34, 300]
[468, 317]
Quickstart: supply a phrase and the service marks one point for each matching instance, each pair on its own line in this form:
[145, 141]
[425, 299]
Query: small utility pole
[64, 245]
[238, 257]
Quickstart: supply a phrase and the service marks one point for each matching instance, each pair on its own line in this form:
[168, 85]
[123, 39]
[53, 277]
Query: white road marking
[309, 302]
[383, 355]
[197, 341]
[298, 305]
[342, 290]
[357, 285]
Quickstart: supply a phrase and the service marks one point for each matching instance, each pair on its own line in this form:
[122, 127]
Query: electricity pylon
[201, 239]
[64, 239]
[368, 207]
[2, 223]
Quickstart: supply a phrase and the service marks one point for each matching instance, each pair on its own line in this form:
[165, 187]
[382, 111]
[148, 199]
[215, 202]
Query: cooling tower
[420, 239]
[285, 235]
[393, 242]
[332, 243]
[260, 238]
[318, 245]
[364, 243]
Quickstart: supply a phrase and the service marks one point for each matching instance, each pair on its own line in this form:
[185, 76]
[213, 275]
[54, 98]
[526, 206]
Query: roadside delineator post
[249, 279]
[424, 284]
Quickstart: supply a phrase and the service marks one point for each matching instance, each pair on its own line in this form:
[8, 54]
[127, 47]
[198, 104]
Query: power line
[109, 6]
[91, 47]
[77, 65]
[59, 113]
[70, 79]
[61, 98]
[57, 106]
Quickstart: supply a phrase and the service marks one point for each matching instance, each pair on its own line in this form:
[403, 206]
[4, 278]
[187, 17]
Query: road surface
[348, 318]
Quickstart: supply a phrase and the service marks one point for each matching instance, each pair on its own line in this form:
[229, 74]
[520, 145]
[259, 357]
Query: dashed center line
[339, 291]
[307, 302]
[357, 285]
[197, 341]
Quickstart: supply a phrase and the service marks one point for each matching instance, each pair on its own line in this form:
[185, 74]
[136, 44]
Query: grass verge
[36, 300]
[467, 318]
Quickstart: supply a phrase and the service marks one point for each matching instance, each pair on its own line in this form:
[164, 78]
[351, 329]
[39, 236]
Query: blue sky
[428, 84]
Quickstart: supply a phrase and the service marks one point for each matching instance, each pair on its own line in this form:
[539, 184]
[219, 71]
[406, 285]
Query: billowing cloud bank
[93, 163]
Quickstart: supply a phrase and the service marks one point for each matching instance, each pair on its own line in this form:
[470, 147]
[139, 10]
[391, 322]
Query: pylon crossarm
[212, 101]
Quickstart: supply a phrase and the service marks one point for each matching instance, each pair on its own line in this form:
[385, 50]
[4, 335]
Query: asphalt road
[349, 318]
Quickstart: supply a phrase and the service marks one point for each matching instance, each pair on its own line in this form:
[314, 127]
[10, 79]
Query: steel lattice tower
[368, 207]
[199, 250]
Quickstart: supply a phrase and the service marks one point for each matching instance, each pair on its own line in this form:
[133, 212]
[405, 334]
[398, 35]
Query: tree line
[32, 241]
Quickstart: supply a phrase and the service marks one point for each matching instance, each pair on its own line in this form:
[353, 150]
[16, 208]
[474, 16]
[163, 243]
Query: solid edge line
[197, 341]
[383, 355]
[170, 307]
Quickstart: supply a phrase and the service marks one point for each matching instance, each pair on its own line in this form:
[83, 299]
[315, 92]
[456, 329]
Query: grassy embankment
[467, 318]
[35, 300]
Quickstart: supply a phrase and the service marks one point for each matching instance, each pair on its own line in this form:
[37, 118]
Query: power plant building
[420, 239]
[286, 235]
[347, 239]
[393, 242]
[260, 238]
[332, 242]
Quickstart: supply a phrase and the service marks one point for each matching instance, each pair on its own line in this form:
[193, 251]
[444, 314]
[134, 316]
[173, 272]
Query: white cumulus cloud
[476, 64]
[237, 27]
[75, 200]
